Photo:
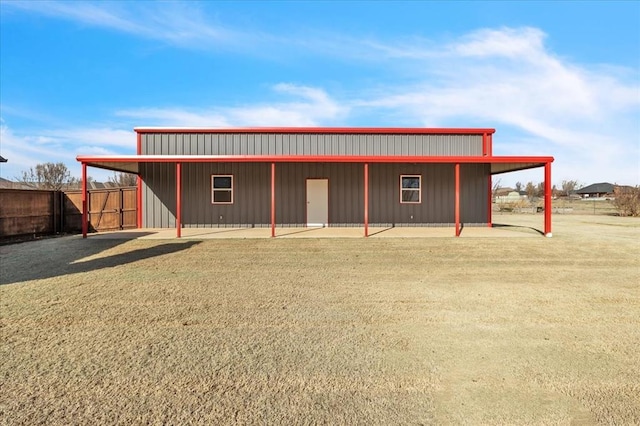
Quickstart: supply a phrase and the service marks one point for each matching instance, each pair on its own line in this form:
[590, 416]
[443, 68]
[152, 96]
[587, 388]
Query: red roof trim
[322, 130]
[307, 159]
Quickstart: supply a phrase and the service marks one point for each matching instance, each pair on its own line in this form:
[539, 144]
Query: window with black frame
[222, 189]
[410, 189]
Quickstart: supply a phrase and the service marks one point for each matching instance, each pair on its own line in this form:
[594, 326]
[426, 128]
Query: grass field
[585, 206]
[334, 331]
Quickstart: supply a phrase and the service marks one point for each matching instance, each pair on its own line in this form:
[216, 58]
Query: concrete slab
[500, 231]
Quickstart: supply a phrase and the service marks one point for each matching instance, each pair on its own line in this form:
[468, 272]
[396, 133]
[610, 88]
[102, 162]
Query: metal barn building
[358, 177]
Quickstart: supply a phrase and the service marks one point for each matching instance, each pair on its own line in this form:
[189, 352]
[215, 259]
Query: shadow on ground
[36, 260]
[500, 225]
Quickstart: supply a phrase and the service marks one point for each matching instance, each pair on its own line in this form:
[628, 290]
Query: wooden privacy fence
[30, 212]
[109, 209]
[26, 213]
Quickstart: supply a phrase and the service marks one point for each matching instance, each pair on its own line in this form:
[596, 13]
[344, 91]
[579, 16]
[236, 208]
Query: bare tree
[531, 190]
[540, 189]
[518, 186]
[627, 200]
[53, 176]
[568, 186]
[123, 179]
[494, 188]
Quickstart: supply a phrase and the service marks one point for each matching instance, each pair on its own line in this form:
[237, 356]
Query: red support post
[366, 199]
[457, 199]
[484, 145]
[139, 184]
[85, 222]
[139, 203]
[547, 199]
[490, 207]
[178, 200]
[490, 145]
[273, 199]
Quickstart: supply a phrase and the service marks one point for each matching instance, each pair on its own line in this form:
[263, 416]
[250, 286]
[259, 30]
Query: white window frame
[214, 190]
[419, 189]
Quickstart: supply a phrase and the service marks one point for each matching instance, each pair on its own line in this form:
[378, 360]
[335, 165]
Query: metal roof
[322, 130]
[7, 184]
[131, 163]
[597, 188]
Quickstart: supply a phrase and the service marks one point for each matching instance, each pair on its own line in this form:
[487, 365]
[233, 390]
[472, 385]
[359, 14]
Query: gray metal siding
[252, 194]
[346, 192]
[437, 204]
[158, 195]
[474, 193]
[309, 144]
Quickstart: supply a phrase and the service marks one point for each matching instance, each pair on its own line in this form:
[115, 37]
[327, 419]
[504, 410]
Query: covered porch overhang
[498, 165]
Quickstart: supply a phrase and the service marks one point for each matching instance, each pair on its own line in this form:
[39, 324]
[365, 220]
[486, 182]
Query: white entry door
[317, 202]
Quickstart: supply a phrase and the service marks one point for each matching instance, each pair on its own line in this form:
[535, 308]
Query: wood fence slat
[34, 212]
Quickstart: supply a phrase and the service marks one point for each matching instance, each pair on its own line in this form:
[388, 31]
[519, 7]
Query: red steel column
[139, 183]
[273, 199]
[457, 198]
[178, 200]
[85, 224]
[139, 203]
[490, 212]
[547, 200]
[366, 199]
[484, 144]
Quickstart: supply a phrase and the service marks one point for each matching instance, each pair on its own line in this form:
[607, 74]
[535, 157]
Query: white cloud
[181, 24]
[505, 42]
[25, 150]
[310, 107]
[100, 136]
[174, 117]
[587, 116]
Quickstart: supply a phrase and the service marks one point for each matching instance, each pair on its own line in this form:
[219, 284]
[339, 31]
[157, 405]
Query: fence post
[121, 209]
[54, 212]
[61, 196]
[85, 219]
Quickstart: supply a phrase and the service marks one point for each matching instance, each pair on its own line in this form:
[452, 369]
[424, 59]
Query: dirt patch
[366, 331]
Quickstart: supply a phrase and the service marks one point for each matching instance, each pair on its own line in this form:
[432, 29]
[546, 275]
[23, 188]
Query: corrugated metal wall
[252, 194]
[309, 144]
[474, 193]
[158, 195]
[438, 194]
[346, 192]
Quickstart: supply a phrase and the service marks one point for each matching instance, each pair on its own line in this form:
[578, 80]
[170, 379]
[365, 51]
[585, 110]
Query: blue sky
[554, 78]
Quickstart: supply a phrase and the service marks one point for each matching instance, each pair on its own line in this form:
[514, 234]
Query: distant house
[511, 197]
[101, 185]
[597, 190]
[501, 192]
[7, 184]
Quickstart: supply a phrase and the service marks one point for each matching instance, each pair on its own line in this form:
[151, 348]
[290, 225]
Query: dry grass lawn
[333, 331]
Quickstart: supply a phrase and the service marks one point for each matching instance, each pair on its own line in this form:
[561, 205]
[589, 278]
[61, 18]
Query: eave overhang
[131, 163]
[322, 130]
